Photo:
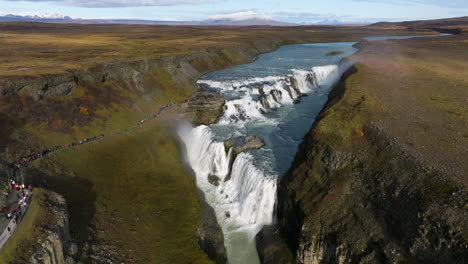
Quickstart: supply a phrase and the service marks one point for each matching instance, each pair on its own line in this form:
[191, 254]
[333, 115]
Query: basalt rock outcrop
[204, 109]
[210, 236]
[241, 144]
[271, 247]
[133, 74]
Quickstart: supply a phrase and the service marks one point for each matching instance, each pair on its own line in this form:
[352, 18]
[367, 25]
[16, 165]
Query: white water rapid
[258, 96]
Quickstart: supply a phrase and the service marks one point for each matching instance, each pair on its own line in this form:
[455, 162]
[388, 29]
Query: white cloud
[245, 15]
[118, 3]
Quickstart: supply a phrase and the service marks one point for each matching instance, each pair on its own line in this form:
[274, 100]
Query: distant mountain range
[56, 18]
[37, 18]
[247, 18]
[237, 19]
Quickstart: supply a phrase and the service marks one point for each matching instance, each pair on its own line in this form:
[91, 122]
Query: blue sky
[290, 11]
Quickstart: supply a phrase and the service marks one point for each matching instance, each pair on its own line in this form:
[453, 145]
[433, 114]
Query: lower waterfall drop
[243, 197]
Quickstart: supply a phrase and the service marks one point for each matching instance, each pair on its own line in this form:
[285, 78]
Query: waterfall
[243, 191]
[243, 197]
[242, 194]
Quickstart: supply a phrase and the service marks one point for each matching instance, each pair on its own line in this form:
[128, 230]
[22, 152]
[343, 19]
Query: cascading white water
[243, 195]
[243, 198]
[247, 107]
[244, 192]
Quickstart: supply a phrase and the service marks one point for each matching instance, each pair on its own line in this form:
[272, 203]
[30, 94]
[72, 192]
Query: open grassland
[423, 96]
[29, 48]
[417, 91]
[135, 194]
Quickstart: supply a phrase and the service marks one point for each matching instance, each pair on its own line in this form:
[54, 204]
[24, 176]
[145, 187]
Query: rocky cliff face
[203, 109]
[241, 144]
[134, 75]
[210, 235]
[367, 201]
[54, 246]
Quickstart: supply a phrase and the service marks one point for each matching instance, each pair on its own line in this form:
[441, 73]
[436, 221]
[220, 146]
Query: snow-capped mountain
[246, 18]
[52, 16]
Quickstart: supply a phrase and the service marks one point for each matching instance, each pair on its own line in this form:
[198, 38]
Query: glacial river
[264, 98]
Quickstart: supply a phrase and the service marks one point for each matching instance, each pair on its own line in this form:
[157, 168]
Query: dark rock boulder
[214, 180]
[264, 102]
[277, 95]
[311, 80]
[261, 90]
[241, 144]
[271, 248]
[210, 236]
[204, 109]
[294, 86]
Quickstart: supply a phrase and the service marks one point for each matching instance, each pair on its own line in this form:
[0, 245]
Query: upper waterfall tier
[252, 99]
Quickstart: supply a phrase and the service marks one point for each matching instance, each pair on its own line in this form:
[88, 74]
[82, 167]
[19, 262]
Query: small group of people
[157, 114]
[19, 187]
[86, 140]
[16, 211]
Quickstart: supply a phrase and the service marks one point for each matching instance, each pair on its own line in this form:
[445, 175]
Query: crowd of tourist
[14, 212]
